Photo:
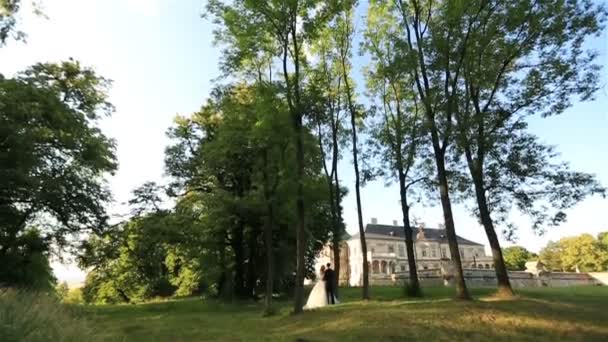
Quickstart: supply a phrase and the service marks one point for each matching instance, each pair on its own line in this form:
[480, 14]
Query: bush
[31, 317]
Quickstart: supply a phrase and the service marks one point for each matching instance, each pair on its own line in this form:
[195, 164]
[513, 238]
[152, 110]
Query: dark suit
[330, 280]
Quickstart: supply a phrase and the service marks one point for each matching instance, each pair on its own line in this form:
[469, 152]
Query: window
[373, 250]
[402, 268]
[487, 266]
[402, 251]
[444, 252]
[434, 253]
[462, 254]
[383, 266]
[391, 249]
[424, 252]
[375, 266]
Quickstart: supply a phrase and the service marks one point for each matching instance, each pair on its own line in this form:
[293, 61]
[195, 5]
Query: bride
[318, 296]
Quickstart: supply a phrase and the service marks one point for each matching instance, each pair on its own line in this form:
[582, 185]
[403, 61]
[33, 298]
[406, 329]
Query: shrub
[31, 317]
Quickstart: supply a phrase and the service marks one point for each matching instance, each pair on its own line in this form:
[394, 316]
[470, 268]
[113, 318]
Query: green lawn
[565, 314]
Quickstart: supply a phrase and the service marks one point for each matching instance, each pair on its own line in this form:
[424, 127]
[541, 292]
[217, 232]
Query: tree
[603, 238]
[291, 24]
[344, 32]
[516, 257]
[325, 95]
[583, 253]
[550, 256]
[516, 59]
[231, 164]
[435, 65]
[398, 136]
[53, 158]
[127, 263]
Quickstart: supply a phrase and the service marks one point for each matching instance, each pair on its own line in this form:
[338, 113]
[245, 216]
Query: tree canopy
[516, 258]
[53, 159]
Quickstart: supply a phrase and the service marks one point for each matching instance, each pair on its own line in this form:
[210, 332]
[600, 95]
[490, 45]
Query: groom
[330, 281]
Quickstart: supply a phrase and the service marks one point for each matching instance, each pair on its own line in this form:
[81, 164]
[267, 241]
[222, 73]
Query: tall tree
[328, 115]
[53, 157]
[437, 62]
[521, 58]
[343, 36]
[399, 133]
[291, 24]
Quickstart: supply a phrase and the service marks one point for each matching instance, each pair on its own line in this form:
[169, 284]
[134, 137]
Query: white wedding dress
[318, 296]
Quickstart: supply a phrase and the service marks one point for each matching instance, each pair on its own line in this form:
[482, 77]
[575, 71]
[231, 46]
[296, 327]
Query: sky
[161, 58]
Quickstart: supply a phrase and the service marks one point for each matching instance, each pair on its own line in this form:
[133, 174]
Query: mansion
[387, 257]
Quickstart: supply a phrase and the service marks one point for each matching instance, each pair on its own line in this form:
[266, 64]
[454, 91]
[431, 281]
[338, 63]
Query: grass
[33, 317]
[547, 314]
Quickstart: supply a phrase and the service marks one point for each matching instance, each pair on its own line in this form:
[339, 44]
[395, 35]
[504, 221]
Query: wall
[487, 278]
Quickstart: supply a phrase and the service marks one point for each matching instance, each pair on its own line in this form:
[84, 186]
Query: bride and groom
[324, 292]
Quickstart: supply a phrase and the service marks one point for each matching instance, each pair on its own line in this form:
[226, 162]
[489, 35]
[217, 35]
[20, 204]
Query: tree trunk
[446, 205]
[268, 229]
[365, 294]
[225, 279]
[502, 276]
[413, 288]
[336, 233]
[300, 224]
[338, 229]
[239, 260]
[251, 267]
[333, 204]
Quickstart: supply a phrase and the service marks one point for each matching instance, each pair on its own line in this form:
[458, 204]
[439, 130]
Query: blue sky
[161, 57]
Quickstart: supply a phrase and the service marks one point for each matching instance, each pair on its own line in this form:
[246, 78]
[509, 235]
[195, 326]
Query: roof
[396, 232]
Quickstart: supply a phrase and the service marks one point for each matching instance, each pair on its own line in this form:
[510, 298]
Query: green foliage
[37, 317]
[210, 243]
[582, 253]
[603, 238]
[550, 256]
[516, 257]
[8, 20]
[232, 158]
[53, 158]
[26, 264]
[128, 262]
[74, 296]
[61, 290]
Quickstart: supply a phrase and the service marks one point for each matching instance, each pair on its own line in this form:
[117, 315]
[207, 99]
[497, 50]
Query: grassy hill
[565, 314]
[572, 314]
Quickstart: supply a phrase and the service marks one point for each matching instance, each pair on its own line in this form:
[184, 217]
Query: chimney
[374, 220]
[421, 225]
[440, 225]
[394, 222]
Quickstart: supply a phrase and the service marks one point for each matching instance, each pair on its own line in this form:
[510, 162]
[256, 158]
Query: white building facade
[387, 256]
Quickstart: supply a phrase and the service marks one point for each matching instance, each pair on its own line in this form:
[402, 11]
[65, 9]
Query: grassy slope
[573, 314]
